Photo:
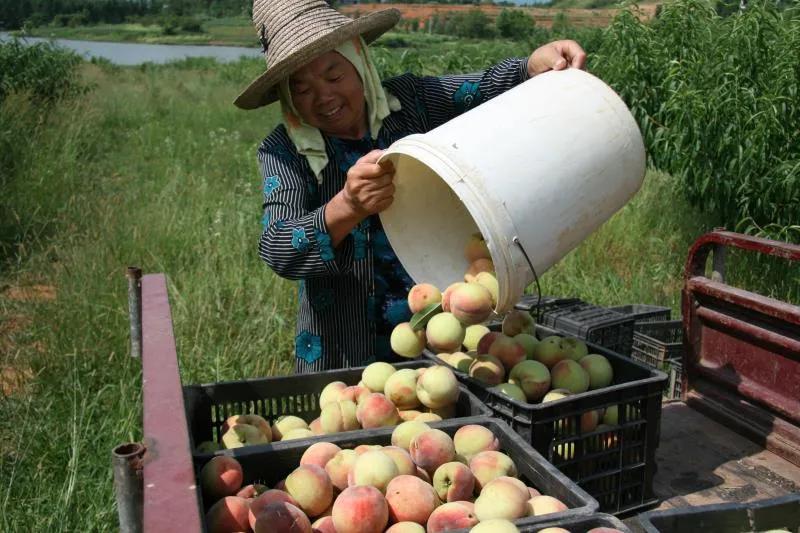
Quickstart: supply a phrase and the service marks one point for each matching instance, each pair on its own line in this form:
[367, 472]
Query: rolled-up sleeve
[295, 242]
[446, 97]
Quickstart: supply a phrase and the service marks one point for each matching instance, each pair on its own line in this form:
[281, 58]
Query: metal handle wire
[516, 241]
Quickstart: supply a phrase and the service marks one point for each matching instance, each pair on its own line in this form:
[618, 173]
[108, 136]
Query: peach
[516, 322]
[460, 361]
[240, 435]
[489, 280]
[364, 448]
[280, 485]
[311, 487]
[409, 414]
[428, 417]
[261, 502]
[410, 499]
[495, 525]
[423, 475]
[489, 465]
[330, 393]
[449, 292]
[251, 419]
[549, 351]
[405, 433]
[339, 467]
[523, 489]
[556, 394]
[339, 416]
[402, 459]
[431, 449]
[373, 468]
[599, 369]
[528, 343]
[614, 530]
[554, 530]
[611, 415]
[377, 411]
[532, 377]
[406, 527]
[501, 499]
[575, 349]
[422, 295]
[511, 391]
[476, 248]
[539, 505]
[323, 525]
[568, 374]
[228, 514]
[478, 266]
[438, 387]
[281, 517]
[252, 490]
[361, 509]
[453, 482]
[375, 375]
[444, 333]
[487, 369]
[507, 351]
[486, 342]
[316, 427]
[590, 420]
[319, 454]
[452, 515]
[284, 424]
[471, 304]
[533, 492]
[298, 433]
[355, 394]
[473, 335]
[473, 439]
[406, 342]
[221, 476]
[401, 389]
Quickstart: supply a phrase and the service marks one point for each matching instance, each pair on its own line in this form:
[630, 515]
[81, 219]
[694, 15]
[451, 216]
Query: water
[136, 54]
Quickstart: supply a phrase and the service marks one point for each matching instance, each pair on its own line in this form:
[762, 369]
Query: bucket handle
[517, 241]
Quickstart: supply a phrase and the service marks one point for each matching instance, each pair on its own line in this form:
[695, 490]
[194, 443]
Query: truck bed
[702, 462]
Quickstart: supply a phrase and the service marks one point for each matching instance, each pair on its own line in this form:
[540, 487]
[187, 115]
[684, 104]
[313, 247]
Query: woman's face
[329, 95]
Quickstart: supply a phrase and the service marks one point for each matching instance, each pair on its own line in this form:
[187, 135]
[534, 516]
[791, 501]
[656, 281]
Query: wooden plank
[702, 462]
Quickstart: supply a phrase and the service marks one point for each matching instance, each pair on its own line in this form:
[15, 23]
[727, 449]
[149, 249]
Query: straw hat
[294, 32]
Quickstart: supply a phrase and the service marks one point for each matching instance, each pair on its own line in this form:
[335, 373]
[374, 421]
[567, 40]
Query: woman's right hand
[369, 188]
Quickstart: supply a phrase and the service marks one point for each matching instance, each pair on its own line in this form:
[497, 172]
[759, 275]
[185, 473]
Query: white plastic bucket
[547, 162]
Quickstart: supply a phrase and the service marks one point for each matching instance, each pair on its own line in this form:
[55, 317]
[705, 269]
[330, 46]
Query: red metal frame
[171, 499]
[742, 349]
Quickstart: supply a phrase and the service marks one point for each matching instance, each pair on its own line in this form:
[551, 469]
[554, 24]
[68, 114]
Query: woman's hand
[556, 55]
[369, 188]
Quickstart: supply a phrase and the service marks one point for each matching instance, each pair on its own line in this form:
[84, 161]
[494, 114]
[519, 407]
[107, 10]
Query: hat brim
[263, 91]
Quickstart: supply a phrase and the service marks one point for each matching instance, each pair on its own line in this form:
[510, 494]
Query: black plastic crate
[549, 303]
[274, 462]
[674, 369]
[615, 466]
[208, 406]
[643, 313]
[656, 342]
[763, 515]
[579, 524]
[593, 323]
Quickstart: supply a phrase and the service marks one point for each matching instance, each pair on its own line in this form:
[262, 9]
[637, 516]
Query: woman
[323, 187]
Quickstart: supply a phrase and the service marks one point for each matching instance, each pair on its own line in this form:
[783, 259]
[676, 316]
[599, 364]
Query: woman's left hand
[556, 55]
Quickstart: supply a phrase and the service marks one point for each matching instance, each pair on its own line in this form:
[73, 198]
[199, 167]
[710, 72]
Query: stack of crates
[660, 345]
[594, 324]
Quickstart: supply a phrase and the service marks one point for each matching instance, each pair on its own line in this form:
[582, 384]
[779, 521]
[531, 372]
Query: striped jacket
[352, 296]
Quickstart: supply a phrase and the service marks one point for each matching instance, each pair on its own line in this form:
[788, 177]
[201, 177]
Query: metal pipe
[128, 486]
[134, 275]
